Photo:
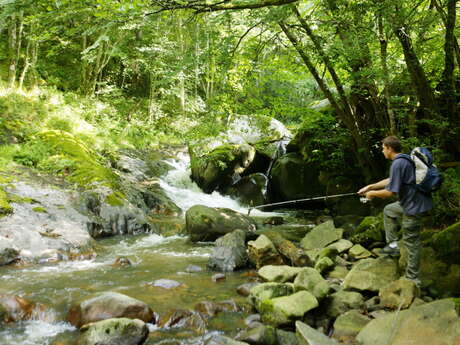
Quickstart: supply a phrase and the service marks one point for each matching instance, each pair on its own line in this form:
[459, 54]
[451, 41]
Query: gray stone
[229, 252]
[310, 280]
[342, 301]
[263, 252]
[245, 289]
[207, 223]
[284, 310]
[260, 335]
[119, 331]
[166, 283]
[371, 274]
[310, 336]
[106, 306]
[435, 323]
[278, 274]
[8, 255]
[321, 235]
[398, 294]
[350, 323]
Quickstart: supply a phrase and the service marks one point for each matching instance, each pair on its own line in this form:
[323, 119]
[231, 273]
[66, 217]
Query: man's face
[386, 151]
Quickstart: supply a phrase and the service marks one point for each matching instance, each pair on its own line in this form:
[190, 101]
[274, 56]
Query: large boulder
[106, 306]
[321, 235]
[435, 323]
[292, 178]
[207, 224]
[111, 214]
[119, 331]
[371, 274]
[229, 252]
[369, 231]
[278, 274]
[350, 323]
[250, 190]
[447, 243]
[398, 294]
[284, 310]
[219, 168]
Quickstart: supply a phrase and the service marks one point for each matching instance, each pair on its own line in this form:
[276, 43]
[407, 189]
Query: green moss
[5, 207]
[370, 230]
[39, 209]
[21, 200]
[447, 243]
[457, 305]
[115, 199]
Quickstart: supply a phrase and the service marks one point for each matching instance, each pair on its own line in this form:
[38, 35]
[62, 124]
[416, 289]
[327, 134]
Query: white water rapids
[44, 279]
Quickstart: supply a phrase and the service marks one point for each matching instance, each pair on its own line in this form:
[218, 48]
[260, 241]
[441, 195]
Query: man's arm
[375, 186]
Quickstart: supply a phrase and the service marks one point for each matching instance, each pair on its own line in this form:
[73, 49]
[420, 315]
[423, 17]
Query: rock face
[436, 323]
[120, 331]
[371, 274]
[207, 224]
[229, 252]
[108, 305]
[292, 178]
[43, 220]
[250, 190]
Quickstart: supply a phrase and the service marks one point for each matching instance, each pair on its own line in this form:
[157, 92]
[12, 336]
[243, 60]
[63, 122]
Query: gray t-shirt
[402, 182]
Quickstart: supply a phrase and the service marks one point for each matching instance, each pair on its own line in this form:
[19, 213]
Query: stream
[153, 257]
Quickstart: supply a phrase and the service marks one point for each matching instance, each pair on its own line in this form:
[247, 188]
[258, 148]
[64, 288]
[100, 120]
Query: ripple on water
[33, 333]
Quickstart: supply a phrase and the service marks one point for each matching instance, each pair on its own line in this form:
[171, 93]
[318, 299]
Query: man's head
[391, 146]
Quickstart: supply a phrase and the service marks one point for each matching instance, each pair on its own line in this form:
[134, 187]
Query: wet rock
[134, 168]
[308, 335]
[193, 269]
[250, 190]
[275, 220]
[359, 252]
[106, 306]
[310, 280]
[284, 310]
[207, 224]
[338, 272]
[350, 323]
[15, 308]
[156, 201]
[251, 319]
[111, 214]
[398, 294]
[371, 274]
[229, 252]
[260, 335]
[218, 277]
[245, 289]
[182, 318]
[266, 291]
[61, 228]
[209, 308]
[119, 331]
[321, 235]
[340, 302]
[279, 274]
[8, 255]
[166, 283]
[122, 261]
[436, 323]
[369, 231]
[262, 252]
[218, 168]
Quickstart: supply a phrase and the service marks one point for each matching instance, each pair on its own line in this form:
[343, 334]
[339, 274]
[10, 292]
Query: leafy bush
[32, 152]
[447, 199]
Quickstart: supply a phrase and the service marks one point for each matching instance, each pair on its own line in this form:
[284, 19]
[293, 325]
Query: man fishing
[407, 211]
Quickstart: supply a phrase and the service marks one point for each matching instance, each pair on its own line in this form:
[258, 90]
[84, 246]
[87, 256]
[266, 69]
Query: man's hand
[364, 190]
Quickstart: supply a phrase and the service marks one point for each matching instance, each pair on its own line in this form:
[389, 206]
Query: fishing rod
[300, 200]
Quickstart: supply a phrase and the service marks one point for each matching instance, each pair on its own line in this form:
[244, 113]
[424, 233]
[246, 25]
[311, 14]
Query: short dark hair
[393, 142]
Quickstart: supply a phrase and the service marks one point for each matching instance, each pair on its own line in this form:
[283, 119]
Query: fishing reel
[364, 200]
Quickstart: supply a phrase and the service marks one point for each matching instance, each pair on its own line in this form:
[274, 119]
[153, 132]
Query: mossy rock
[39, 209]
[369, 231]
[447, 243]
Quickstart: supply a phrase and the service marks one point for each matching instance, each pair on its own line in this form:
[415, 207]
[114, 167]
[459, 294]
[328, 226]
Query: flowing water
[153, 257]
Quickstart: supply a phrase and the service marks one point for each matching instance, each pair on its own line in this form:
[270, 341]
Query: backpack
[427, 176]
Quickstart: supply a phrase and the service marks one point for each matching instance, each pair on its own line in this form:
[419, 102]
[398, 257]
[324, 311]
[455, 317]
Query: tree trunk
[14, 46]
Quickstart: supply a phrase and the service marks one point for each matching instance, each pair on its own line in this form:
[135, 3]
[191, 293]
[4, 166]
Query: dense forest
[350, 72]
